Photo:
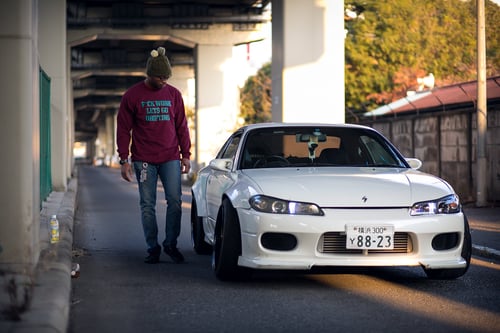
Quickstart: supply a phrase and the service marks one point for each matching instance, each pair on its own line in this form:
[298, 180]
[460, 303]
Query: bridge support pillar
[217, 101]
[19, 134]
[308, 61]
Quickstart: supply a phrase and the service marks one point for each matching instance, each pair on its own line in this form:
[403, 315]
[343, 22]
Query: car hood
[349, 187]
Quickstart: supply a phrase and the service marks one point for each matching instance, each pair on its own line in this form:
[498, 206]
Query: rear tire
[197, 232]
[451, 274]
[227, 245]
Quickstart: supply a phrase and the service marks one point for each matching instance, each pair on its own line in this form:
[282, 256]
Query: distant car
[298, 196]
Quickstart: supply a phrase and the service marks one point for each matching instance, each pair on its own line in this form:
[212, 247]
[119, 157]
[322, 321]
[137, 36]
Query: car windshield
[317, 146]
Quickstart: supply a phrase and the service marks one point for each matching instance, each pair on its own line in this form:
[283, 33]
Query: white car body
[347, 196]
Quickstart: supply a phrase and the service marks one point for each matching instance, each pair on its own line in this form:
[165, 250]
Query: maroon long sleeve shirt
[153, 124]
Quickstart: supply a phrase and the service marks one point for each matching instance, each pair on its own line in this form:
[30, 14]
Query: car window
[230, 147]
[378, 153]
[304, 146]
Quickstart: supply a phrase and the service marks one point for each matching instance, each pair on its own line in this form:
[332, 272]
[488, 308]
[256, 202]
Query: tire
[451, 274]
[197, 232]
[227, 245]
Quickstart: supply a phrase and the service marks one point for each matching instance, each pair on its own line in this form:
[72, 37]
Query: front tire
[451, 274]
[197, 232]
[227, 244]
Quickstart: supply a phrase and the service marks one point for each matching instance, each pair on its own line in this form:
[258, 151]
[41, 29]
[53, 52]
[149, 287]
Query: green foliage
[255, 97]
[492, 13]
[396, 41]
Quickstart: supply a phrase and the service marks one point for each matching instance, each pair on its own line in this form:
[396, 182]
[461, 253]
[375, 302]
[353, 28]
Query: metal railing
[45, 139]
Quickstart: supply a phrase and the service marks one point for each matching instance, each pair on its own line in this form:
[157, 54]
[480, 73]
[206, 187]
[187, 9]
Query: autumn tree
[255, 97]
[389, 44]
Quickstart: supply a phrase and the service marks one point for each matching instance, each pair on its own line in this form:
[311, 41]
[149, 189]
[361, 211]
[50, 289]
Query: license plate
[370, 237]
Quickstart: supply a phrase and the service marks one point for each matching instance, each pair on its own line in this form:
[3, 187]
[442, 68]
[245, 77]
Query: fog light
[278, 241]
[445, 241]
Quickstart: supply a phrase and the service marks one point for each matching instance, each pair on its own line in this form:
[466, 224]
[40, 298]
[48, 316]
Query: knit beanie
[158, 64]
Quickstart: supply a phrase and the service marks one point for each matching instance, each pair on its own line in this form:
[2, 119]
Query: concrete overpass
[109, 41]
[66, 63]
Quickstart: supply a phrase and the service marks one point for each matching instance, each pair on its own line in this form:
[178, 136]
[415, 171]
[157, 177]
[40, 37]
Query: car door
[219, 180]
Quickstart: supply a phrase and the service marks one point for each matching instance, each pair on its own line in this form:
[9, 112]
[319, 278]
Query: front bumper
[309, 231]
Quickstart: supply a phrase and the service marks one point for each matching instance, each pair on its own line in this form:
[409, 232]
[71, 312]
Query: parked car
[298, 196]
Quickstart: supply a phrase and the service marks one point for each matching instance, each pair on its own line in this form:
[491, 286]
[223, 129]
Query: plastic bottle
[54, 229]
[75, 270]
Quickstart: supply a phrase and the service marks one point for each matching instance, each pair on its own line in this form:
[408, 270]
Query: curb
[50, 301]
[486, 252]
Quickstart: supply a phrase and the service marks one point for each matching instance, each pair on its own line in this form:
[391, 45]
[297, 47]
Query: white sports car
[298, 196]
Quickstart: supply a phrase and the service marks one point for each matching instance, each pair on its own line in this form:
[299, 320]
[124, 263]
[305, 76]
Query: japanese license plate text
[370, 237]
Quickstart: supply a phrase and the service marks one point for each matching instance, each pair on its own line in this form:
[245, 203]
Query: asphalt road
[117, 292]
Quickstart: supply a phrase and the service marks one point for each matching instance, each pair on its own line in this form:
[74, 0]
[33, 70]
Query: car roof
[287, 125]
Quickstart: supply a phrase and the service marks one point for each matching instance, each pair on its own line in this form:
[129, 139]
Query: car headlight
[267, 204]
[446, 205]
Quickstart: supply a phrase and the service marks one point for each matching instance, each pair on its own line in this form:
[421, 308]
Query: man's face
[157, 82]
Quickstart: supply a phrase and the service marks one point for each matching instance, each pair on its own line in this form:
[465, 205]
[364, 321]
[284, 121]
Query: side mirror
[414, 163]
[221, 164]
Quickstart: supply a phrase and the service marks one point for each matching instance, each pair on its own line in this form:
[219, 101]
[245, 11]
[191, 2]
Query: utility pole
[482, 113]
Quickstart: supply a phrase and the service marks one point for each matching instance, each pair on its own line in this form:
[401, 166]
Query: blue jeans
[147, 177]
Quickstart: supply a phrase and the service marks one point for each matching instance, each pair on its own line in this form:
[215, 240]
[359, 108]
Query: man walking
[152, 130]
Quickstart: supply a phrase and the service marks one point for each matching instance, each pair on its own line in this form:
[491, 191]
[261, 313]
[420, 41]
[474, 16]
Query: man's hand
[185, 165]
[126, 170]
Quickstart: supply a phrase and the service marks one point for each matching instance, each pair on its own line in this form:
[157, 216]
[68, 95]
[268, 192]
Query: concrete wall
[446, 144]
[19, 133]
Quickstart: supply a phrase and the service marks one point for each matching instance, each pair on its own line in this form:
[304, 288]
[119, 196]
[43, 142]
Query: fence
[45, 155]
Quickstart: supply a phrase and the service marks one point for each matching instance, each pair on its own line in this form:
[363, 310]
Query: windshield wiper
[385, 165]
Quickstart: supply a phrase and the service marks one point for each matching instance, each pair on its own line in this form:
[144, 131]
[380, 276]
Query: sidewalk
[50, 301]
[50, 304]
[485, 229]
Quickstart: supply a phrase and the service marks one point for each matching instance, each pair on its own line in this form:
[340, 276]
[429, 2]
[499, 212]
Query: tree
[394, 42]
[255, 97]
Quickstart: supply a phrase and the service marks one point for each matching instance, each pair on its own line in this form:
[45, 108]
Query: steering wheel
[271, 161]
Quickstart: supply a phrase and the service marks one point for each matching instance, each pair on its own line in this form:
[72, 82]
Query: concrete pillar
[183, 79]
[52, 31]
[70, 122]
[308, 61]
[100, 144]
[70, 111]
[109, 137]
[216, 99]
[105, 143]
[19, 133]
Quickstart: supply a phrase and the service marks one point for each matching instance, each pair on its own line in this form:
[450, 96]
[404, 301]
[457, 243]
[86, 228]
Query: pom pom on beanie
[158, 64]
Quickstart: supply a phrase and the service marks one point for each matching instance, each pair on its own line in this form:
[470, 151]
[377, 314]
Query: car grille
[334, 242]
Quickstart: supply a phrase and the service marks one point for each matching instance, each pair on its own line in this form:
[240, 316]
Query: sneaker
[153, 256]
[152, 259]
[174, 253]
